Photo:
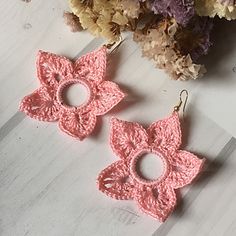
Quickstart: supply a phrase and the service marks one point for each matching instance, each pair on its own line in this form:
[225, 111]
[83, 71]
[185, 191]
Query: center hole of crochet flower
[150, 166]
[75, 94]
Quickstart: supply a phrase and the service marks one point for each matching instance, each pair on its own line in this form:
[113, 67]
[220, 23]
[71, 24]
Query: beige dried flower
[131, 8]
[222, 8]
[158, 44]
[107, 18]
[101, 17]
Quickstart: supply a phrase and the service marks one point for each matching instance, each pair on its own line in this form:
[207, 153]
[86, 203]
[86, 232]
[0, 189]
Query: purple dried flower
[202, 27]
[194, 39]
[181, 10]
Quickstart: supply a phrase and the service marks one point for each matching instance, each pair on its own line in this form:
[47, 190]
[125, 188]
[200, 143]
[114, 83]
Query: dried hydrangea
[194, 39]
[181, 10]
[222, 8]
[106, 18]
[174, 37]
[158, 43]
[131, 8]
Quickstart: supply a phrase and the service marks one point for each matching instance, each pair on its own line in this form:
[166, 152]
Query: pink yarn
[129, 141]
[46, 103]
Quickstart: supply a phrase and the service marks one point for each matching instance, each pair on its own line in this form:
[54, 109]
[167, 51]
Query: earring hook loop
[182, 101]
[116, 44]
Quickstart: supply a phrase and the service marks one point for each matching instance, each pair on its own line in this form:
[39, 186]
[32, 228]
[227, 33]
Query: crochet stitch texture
[129, 142]
[47, 103]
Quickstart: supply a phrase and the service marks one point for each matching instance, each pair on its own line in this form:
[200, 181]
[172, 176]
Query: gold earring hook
[118, 45]
[177, 107]
[110, 45]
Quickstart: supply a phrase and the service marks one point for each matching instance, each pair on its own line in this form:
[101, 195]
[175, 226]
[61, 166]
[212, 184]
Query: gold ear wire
[109, 45]
[177, 107]
[117, 45]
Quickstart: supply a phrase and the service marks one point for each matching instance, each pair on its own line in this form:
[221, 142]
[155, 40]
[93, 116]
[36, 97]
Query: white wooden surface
[47, 179]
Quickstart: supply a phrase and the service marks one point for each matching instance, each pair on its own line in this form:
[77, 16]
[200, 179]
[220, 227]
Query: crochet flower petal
[92, 65]
[107, 96]
[157, 202]
[41, 104]
[77, 124]
[166, 134]
[185, 167]
[51, 68]
[114, 181]
[127, 137]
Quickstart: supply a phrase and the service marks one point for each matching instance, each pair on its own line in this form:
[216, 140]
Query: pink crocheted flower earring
[122, 180]
[47, 102]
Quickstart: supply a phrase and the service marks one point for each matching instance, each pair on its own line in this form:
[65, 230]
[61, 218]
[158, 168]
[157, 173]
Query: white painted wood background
[47, 179]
